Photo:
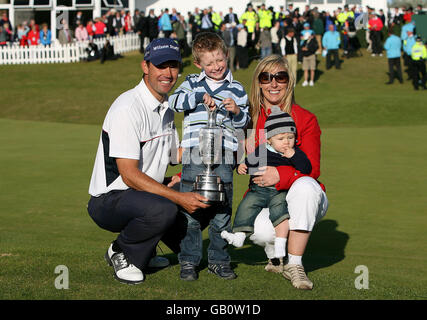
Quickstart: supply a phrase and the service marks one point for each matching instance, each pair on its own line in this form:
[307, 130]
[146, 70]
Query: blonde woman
[272, 85]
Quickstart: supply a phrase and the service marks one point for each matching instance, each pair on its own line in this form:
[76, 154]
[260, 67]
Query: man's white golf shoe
[124, 271]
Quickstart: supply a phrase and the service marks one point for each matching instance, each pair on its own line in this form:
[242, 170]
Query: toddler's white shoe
[305, 84]
[236, 239]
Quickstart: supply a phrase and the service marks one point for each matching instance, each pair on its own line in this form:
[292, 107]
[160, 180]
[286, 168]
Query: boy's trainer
[158, 262]
[222, 270]
[188, 272]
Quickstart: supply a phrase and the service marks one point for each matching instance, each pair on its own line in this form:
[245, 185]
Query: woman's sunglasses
[266, 77]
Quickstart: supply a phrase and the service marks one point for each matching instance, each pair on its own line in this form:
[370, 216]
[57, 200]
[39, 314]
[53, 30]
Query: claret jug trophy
[208, 184]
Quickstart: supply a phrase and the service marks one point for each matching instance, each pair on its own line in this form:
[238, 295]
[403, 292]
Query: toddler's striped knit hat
[279, 122]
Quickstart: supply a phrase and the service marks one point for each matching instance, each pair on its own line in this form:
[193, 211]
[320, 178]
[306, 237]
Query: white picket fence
[57, 53]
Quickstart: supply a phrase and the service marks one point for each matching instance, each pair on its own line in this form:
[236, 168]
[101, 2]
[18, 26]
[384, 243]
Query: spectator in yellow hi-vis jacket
[418, 56]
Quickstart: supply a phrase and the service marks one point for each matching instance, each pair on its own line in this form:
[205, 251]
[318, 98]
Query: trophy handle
[226, 115]
[206, 107]
[216, 111]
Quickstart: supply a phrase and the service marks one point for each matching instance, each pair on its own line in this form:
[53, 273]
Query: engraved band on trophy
[208, 184]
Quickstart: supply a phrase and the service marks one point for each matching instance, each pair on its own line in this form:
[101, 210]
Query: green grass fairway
[373, 165]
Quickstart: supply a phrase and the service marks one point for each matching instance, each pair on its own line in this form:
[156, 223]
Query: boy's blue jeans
[255, 200]
[219, 216]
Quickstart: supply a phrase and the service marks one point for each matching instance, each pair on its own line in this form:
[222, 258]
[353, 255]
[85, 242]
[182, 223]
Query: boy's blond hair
[207, 42]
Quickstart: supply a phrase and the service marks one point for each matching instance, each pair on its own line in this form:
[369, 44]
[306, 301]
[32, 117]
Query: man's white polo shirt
[137, 126]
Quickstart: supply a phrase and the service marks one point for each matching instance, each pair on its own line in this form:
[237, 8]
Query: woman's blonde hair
[256, 99]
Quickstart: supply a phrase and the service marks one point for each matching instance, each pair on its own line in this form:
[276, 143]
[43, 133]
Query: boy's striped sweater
[188, 98]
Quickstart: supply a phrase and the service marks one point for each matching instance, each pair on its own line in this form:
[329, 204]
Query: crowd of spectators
[408, 44]
[260, 31]
[257, 32]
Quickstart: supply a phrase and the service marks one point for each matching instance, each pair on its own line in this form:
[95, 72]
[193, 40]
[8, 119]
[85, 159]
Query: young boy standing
[214, 86]
[281, 151]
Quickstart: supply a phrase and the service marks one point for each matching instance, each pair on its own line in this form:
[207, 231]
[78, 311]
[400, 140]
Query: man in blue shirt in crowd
[393, 46]
[410, 26]
[331, 42]
[165, 24]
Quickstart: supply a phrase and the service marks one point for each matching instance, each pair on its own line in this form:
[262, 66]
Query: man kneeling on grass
[127, 194]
